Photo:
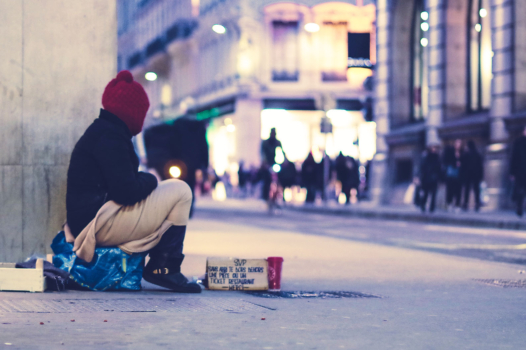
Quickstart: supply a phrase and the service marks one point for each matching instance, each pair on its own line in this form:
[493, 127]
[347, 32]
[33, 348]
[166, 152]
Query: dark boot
[166, 272]
[164, 267]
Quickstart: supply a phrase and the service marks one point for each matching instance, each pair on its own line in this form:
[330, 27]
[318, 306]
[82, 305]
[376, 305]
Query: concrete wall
[55, 59]
[380, 176]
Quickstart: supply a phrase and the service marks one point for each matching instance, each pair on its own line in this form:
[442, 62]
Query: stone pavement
[427, 301]
[490, 219]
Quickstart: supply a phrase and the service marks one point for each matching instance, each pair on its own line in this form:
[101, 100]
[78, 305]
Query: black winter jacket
[430, 170]
[472, 169]
[103, 167]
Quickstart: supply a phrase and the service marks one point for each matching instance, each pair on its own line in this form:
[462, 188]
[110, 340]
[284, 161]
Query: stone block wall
[55, 59]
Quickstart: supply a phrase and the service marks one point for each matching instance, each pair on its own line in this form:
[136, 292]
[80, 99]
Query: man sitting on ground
[110, 203]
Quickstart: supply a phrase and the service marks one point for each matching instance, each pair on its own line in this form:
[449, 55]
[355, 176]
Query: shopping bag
[410, 194]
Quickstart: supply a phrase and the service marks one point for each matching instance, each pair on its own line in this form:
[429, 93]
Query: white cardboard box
[237, 274]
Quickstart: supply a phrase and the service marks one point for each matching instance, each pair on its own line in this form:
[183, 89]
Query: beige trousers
[137, 228]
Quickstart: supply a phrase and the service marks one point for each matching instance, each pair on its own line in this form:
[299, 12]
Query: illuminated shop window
[299, 133]
[285, 55]
[419, 61]
[480, 55]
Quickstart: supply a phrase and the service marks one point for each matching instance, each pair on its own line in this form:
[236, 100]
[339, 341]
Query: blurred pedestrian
[309, 177]
[347, 172]
[268, 148]
[518, 171]
[452, 161]
[242, 176]
[430, 170]
[264, 175]
[253, 178]
[268, 157]
[472, 173]
[343, 175]
[287, 175]
[324, 170]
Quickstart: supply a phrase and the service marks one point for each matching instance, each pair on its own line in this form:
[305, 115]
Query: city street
[375, 147]
[416, 286]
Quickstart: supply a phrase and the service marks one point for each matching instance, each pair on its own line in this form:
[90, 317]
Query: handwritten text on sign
[237, 274]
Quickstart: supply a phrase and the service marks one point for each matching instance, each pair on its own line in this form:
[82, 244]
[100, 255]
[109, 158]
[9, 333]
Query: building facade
[446, 70]
[246, 66]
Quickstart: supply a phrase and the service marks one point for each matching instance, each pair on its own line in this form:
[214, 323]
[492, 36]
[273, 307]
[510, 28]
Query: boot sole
[174, 288]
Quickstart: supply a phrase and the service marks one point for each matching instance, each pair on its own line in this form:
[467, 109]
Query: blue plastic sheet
[110, 269]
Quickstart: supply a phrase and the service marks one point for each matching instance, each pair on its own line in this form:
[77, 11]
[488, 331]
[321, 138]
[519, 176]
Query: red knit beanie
[127, 100]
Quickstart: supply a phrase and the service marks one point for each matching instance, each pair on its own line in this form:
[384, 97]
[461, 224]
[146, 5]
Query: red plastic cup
[275, 265]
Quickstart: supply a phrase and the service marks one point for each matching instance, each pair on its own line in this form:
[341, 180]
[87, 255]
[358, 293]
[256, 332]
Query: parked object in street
[518, 171]
[430, 170]
[177, 150]
[472, 170]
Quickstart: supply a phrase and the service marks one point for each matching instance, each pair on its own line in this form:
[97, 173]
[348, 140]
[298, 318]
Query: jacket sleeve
[126, 185]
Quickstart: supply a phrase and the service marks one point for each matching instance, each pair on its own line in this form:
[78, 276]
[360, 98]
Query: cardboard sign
[237, 274]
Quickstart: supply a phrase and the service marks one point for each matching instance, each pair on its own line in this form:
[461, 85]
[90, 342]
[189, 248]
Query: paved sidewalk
[488, 219]
[428, 301]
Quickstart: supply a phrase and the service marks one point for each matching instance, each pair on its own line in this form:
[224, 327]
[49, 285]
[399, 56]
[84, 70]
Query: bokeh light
[312, 27]
[175, 172]
[219, 29]
[150, 76]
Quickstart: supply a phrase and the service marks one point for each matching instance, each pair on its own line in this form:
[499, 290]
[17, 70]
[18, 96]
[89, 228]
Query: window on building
[285, 54]
[359, 59]
[334, 51]
[419, 62]
[480, 55]
[359, 46]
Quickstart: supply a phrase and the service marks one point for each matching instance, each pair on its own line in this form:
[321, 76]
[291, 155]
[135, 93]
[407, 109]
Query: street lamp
[219, 29]
[312, 27]
[425, 26]
[150, 76]
[175, 171]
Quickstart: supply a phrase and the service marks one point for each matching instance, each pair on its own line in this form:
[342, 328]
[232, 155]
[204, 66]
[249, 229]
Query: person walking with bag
[110, 203]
